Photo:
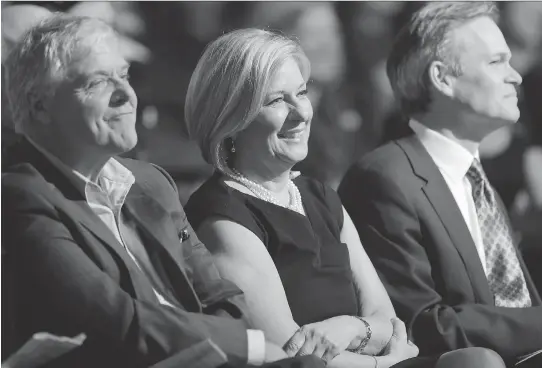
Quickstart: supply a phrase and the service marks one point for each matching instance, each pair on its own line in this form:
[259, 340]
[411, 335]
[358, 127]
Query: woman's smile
[293, 134]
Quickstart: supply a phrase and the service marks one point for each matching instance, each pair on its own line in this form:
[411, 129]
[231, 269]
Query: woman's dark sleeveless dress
[312, 262]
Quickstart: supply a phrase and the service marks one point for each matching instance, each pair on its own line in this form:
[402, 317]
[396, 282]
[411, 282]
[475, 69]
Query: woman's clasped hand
[328, 338]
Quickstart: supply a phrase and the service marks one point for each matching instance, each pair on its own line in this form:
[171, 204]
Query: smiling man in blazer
[97, 244]
[431, 223]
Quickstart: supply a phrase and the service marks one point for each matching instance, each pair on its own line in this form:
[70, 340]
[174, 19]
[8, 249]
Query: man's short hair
[41, 59]
[424, 39]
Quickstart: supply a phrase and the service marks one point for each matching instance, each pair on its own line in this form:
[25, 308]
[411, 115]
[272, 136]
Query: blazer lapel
[74, 204]
[71, 198]
[158, 227]
[442, 200]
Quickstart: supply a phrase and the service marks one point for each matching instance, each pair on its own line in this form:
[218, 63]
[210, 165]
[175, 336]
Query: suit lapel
[86, 217]
[76, 208]
[150, 216]
[439, 195]
[159, 228]
[71, 198]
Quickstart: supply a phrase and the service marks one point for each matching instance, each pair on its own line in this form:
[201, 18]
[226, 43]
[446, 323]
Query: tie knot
[476, 173]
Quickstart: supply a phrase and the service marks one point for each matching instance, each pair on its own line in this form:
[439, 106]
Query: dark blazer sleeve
[60, 277]
[217, 295]
[393, 235]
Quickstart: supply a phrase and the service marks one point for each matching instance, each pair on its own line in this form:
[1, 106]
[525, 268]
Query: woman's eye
[275, 101]
[303, 92]
[125, 76]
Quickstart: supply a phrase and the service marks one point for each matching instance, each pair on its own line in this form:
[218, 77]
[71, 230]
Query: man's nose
[514, 77]
[122, 94]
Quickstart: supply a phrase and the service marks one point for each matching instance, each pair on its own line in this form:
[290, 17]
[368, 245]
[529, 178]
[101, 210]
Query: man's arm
[218, 295]
[391, 233]
[59, 277]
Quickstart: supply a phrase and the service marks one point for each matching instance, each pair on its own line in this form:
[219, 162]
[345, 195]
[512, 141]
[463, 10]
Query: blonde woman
[284, 239]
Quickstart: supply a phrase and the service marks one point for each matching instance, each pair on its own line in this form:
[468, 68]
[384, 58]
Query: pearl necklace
[294, 203]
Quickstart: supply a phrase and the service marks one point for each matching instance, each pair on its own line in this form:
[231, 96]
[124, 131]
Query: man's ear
[39, 110]
[441, 78]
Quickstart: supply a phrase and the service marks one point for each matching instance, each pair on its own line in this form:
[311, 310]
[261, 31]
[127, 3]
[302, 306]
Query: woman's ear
[441, 78]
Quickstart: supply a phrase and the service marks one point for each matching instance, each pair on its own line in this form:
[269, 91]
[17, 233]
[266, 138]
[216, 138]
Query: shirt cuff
[256, 347]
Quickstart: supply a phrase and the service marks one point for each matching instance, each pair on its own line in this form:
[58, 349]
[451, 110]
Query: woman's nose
[301, 111]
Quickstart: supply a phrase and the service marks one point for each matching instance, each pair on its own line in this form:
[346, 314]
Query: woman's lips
[291, 134]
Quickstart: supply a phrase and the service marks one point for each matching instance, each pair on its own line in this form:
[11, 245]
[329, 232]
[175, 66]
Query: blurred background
[354, 110]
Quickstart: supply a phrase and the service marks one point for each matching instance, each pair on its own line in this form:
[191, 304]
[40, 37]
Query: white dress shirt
[106, 197]
[453, 162]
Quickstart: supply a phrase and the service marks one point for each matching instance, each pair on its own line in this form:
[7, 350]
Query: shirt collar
[112, 175]
[448, 155]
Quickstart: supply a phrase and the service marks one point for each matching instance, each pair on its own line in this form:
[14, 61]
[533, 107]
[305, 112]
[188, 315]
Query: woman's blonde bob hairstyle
[229, 84]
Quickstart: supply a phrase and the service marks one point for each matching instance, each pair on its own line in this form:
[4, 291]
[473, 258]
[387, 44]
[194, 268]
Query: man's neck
[87, 164]
[452, 128]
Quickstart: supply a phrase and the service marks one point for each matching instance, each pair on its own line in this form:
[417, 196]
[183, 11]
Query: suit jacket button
[184, 235]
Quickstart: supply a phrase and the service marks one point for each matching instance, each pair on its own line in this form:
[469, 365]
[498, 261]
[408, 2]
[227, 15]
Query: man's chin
[129, 146]
[510, 119]
[122, 146]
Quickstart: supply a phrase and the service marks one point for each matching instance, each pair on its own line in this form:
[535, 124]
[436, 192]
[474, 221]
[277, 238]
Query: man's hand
[273, 352]
[399, 347]
[308, 341]
[341, 332]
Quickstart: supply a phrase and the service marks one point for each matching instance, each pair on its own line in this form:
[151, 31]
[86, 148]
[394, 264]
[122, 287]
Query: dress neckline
[221, 182]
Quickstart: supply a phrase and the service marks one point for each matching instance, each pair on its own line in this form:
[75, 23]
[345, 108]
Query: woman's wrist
[364, 339]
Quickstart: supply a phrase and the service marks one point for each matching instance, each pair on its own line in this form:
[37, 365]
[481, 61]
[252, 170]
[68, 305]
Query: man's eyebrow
[502, 55]
[122, 68]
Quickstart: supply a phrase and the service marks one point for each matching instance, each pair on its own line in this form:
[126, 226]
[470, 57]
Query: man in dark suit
[100, 245]
[431, 223]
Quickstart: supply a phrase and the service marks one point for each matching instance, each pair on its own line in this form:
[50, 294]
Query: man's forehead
[96, 60]
[480, 36]
[98, 43]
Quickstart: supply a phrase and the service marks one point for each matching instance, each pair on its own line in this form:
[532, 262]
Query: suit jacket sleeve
[393, 236]
[217, 295]
[63, 279]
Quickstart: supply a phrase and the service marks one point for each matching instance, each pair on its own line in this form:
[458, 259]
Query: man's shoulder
[388, 168]
[25, 189]
[389, 160]
[22, 176]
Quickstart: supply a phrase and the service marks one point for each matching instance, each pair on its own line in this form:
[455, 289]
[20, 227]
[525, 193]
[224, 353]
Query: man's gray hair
[41, 60]
[424, 39]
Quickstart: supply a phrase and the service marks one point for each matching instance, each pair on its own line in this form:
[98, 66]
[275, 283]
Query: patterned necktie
[504, 274]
